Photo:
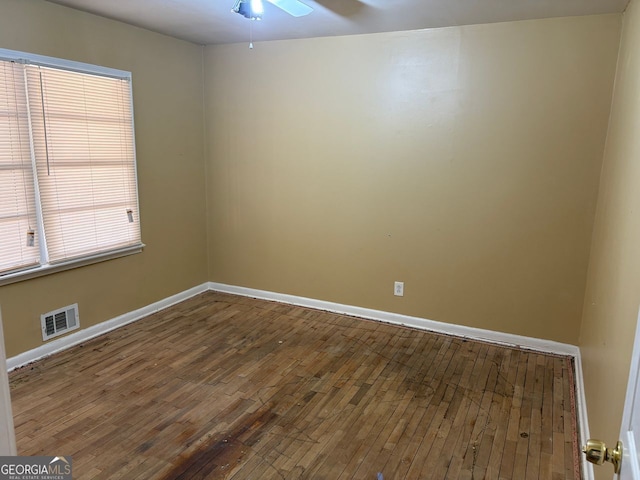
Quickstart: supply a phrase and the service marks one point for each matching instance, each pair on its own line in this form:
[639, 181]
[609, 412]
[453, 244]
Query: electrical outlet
[398, 289]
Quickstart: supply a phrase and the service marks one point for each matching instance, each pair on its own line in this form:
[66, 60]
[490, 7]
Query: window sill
[68, 265]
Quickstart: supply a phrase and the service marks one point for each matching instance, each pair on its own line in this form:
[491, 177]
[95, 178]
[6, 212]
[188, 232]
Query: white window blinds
[17, 198]
[68, 187]
[83, 144]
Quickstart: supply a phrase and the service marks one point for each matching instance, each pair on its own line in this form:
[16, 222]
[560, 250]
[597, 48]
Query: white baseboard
[500, 338]
[583, 420]
[83, 335]
[471, 333]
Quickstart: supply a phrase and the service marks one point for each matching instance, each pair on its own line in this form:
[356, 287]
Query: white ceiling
[212, 22]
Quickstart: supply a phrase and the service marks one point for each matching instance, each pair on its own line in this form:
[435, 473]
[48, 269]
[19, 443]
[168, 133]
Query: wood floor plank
[462, 440]
[228, 387]
[499, 409]
[479, 442]
[400, 454]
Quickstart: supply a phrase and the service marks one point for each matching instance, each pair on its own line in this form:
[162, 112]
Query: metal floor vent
[59, 321]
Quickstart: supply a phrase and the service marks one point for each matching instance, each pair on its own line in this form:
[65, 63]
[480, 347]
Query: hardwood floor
[221, 386]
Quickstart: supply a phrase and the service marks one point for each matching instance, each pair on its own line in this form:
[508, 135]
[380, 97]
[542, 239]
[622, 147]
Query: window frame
[79, 67]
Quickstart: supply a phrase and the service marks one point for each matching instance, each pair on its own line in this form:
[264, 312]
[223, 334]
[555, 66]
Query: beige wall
[613, 289]
[167, 89]
[463, 161]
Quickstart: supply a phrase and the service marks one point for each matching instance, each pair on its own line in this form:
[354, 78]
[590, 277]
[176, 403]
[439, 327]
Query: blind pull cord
[44, 120]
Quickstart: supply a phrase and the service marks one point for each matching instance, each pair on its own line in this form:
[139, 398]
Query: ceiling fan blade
[292, 7]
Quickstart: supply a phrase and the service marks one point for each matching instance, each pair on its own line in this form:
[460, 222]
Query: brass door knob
[598, 453]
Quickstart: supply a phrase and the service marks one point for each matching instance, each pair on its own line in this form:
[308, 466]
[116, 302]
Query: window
[68, 190]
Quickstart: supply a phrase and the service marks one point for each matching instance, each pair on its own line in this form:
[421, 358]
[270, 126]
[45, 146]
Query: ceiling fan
[253, 9]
